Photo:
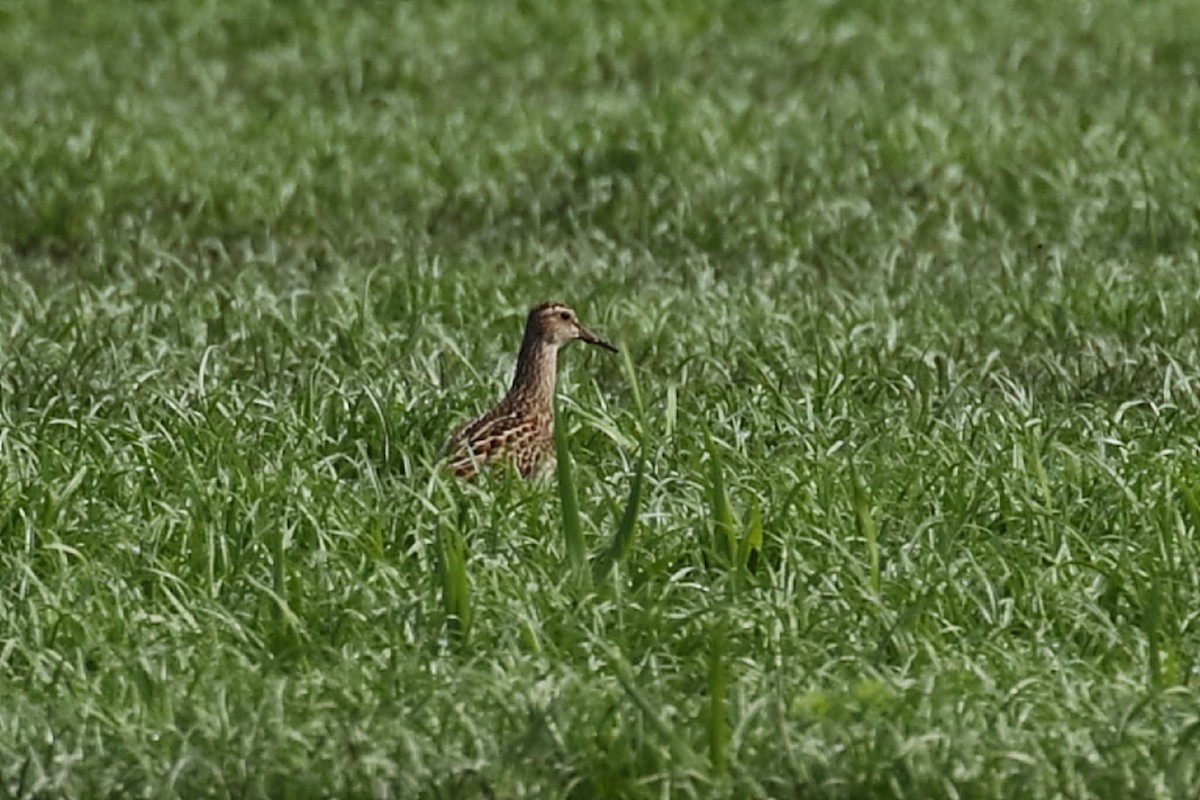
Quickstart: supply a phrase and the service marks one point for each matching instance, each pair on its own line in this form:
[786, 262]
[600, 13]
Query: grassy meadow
[893, 491]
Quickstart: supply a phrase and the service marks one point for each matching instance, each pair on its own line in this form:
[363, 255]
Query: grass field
[908, 291]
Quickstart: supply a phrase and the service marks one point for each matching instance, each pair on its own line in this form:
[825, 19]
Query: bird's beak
[592, 338]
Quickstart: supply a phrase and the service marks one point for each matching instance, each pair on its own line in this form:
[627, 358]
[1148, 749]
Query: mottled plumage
[520, 428]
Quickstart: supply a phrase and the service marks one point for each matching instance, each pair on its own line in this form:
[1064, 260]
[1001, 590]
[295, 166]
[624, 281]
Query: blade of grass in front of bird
[672, 411]
[1152, 627]
[567, 495]
[623, 539]
[455, 585]
[284, 628]
[1190, 503]
[724, 544]
[865, 522]
[1150, 624]
[718, 681]
[751, 545]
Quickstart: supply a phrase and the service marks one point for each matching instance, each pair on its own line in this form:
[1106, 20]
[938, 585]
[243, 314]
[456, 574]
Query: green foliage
[907, 299]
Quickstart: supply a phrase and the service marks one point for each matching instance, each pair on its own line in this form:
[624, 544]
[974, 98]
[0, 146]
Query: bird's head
[557, 324]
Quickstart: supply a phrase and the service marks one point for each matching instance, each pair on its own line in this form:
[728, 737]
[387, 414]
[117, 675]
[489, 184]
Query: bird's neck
[537, 370]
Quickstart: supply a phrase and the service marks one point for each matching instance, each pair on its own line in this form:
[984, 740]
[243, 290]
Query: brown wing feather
[499, 435]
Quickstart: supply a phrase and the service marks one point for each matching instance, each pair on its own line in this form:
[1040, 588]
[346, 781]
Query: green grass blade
[724, 543]
[278, 541]
[1152, 627]
[1190, 503]
[750, 548]
[634, 387]
[718, 680]
[454, 582]
[865, 522]
[285, 628]
[568, 498]
[623, 539]
[626, 533]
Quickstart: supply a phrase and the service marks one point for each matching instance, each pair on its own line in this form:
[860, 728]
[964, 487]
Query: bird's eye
[564, 314]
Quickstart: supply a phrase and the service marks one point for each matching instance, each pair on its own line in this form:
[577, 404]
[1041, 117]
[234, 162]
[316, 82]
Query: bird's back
[510, 432]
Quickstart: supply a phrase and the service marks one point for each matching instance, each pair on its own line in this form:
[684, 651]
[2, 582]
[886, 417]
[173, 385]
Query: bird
[520, 428]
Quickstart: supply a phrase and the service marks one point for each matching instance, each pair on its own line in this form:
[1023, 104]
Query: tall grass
[568, 498]
[892, 495]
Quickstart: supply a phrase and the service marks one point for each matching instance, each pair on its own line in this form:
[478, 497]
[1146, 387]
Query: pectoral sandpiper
[520, 428]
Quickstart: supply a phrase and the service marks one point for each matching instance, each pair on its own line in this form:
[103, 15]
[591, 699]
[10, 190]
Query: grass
[910, 296]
